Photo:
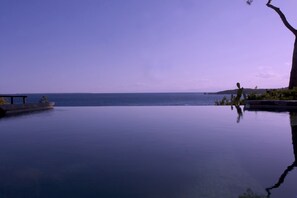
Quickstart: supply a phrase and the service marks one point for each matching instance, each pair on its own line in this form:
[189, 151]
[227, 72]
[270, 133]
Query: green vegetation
[275, 94]
[224, 101]
[269, 94]
[2, 101]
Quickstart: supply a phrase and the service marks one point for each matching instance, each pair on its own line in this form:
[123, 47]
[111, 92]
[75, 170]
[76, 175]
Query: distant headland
[246, 91]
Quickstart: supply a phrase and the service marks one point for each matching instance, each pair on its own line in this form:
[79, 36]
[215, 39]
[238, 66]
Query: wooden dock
[12, 108]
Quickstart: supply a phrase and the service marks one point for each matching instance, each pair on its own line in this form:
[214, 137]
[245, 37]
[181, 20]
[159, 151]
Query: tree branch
[282, 16]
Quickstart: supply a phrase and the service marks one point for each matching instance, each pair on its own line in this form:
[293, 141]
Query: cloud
[267, 75]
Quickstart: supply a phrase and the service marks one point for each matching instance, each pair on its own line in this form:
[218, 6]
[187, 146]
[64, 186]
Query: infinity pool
[148, 152]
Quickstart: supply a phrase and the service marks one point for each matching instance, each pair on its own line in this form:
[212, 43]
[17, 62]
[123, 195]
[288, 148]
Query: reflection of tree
[293, 121]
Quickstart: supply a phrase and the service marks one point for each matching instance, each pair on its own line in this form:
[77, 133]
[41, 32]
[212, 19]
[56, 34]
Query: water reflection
[239, 113]
[293, 123]
[251, 194]
[25, 114]
[142, 152]
[281, 180]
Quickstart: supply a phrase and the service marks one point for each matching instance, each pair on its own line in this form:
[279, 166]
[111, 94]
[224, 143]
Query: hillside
[246, 91]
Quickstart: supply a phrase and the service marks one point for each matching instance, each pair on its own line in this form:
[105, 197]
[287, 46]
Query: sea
[128, 99]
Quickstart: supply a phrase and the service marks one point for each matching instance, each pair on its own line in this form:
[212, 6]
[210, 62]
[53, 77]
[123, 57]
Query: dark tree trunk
[293, 74]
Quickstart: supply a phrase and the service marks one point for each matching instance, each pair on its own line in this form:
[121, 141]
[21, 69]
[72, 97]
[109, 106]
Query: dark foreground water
[147, 152]
[128, 99]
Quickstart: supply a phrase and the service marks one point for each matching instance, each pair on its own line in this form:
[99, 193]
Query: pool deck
[278, 105]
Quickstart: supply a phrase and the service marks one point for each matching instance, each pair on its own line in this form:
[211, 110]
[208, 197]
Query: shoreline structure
[12, 108]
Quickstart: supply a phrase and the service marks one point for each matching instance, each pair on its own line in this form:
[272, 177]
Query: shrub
[224, 101]
[275, 94]
[2, 101]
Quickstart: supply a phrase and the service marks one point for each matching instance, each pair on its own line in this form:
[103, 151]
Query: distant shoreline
[245, 90]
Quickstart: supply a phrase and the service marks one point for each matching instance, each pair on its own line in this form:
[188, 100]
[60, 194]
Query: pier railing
[11, 97]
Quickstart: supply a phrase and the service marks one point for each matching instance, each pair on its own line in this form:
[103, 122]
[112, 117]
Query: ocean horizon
[127, 99]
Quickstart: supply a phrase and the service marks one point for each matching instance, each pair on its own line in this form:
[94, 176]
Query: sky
[105, 46]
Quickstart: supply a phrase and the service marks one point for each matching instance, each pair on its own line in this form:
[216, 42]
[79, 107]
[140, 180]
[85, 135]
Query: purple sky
[142, 45]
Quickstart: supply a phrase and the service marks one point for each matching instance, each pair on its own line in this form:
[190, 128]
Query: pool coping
[270, 105]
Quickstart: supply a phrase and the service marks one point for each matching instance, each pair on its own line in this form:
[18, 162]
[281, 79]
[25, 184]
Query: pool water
[147, 152]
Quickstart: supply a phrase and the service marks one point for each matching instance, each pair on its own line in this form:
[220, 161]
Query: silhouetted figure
[236, 99]
[236, 102]
[293, 122]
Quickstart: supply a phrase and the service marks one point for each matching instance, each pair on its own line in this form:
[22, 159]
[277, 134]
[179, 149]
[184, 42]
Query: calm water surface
[147, 152]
